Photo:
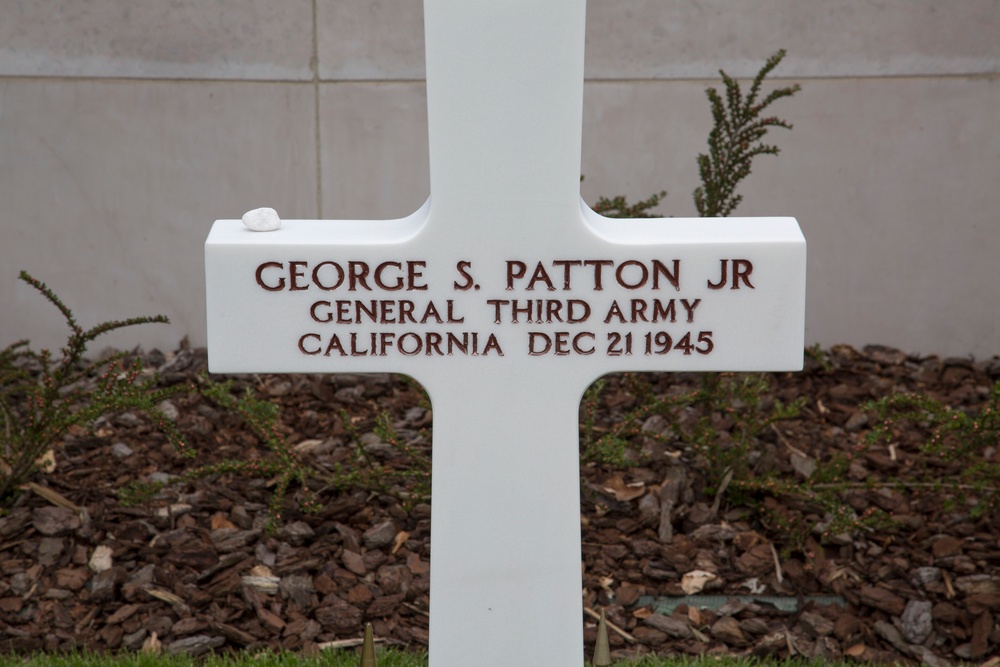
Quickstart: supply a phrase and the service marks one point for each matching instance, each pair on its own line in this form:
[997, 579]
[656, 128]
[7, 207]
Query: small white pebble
[262, 220]
[177, 509]
[101, 559]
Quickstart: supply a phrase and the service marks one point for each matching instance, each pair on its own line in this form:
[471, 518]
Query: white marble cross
[505, 296]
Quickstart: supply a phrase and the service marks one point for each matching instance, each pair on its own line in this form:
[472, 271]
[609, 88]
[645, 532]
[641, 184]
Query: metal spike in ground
[602, 652]
[368, 648]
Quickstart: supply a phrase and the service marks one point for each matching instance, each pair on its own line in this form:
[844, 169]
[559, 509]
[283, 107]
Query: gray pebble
[121, 451]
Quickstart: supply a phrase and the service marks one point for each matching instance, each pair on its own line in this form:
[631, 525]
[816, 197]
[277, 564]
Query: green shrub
[738, 129]
[955, 443]
[735, 139]
[282, 465]
[42, 396]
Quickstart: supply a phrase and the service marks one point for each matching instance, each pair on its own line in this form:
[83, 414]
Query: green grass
[347, 658]
[339, 658]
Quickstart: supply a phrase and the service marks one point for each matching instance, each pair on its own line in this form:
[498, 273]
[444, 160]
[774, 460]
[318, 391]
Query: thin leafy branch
[738, 128]
[284, 464]
[42, 396]
[618, 207]
[736, 139]
[955, 441]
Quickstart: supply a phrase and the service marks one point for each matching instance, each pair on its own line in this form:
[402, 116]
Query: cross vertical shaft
[499, 76]
[506, 590]
[505, 298]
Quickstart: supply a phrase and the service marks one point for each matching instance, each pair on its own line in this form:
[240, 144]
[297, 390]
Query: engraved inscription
[351, 276]
[631, 296]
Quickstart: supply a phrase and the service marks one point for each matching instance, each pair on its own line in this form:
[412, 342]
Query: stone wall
[126, 128]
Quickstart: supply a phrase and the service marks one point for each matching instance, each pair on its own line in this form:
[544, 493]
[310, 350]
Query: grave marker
[505, 296]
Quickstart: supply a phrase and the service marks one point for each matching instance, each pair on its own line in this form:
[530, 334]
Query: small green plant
[588, 422]
[411, 478]
[406, 476]
[735, 139]
[952, 456]
[727, 417]
[42, 396]
[612, 446]
[955, 443]
[741, 400]
[819, 355]
[363, 471]
[282, 465]
[825, 500]
[618, 207]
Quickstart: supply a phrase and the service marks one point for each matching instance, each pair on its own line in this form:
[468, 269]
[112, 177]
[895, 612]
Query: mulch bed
[195, 570]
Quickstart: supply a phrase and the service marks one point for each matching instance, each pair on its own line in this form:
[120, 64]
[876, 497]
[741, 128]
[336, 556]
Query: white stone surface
[106, 185]
[189, 39]
[518, 297]
[262, 220]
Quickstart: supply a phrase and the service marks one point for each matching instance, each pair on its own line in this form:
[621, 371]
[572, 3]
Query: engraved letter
[260, 278]
[722, 280]
[462, 268]
[293, 269]
[302, 344]
[643, 274]
[358, 273]
[412, 274]
[545, 340]
[673, 277]
[597, 264]
[742, 268]
[576, 343]
[540, 274]
[689, 307]
[566, 264]
[326, 318]
[329, 288]
[515, 270]
[378, 277]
